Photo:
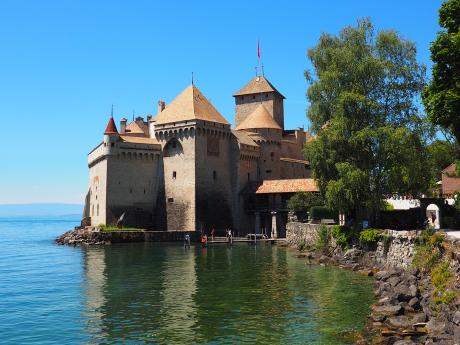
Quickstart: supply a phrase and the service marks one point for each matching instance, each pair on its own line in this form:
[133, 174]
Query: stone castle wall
[98, 191]
[179, 156]
[215, 178]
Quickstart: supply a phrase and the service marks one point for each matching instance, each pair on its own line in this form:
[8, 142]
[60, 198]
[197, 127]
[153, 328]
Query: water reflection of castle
[157, 298]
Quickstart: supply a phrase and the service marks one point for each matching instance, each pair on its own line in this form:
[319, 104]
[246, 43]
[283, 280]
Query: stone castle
[186, 169]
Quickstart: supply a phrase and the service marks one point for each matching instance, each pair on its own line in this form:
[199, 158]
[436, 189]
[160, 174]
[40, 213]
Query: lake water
[165, 294]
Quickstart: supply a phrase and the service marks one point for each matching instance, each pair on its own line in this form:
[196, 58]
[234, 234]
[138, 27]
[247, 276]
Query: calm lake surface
[165, 294]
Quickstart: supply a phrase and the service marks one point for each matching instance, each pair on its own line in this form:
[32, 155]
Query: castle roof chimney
[161, 106]
[111, 127]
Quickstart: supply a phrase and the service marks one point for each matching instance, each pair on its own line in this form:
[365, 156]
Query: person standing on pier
[213, 233]
[187, 241]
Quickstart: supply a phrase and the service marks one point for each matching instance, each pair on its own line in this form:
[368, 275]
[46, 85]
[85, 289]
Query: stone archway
[433, 214]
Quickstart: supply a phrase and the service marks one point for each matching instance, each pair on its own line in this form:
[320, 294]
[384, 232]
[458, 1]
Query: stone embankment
[405, 311]
[97, 236]
[86, 236]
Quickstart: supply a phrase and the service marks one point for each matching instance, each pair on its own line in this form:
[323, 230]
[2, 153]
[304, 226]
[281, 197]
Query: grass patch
[429, 250]
[109, 228]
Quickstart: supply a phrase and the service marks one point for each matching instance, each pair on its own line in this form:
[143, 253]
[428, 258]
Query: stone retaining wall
[396, 252]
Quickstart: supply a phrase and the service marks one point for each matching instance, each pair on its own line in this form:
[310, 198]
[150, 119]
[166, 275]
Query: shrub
[322, 241]
[386, 206]
[425, 257]
[386, 242]
[322, 212]
[441, 280]
[370, 236]
[301, 202]
[343, 235]
[440, 276]
[301, 246]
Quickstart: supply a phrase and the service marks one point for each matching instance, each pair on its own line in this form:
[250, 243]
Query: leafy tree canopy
[302, 202]
[370, 138]
[442, 96]
[441, 154]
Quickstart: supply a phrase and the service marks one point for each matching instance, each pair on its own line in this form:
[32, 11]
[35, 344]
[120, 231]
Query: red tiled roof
[111, 127]
[292, 160]
[287, 186]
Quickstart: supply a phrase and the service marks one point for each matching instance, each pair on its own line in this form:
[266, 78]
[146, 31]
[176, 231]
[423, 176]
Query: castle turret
[197, 159]
[259, 91]
[111, 133]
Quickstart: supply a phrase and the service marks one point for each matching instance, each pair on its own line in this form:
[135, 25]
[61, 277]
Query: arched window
[173, 148]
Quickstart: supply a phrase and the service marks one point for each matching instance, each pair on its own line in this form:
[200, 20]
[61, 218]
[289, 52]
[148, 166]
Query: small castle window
[268, 171]
[170, 199]
[131, 190]
[249, 176]
[272, 155]
[174, 175]
[144, 190]
[214, 175]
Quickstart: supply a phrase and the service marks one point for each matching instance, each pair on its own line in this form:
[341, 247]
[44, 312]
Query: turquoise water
[165, 294]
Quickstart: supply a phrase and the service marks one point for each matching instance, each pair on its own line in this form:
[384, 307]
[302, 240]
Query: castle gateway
[186, 169]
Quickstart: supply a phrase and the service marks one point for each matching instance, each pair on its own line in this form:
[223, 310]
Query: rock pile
[85, 236]
[404, 312]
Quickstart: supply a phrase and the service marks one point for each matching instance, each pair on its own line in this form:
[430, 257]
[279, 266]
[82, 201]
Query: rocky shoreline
[405, 311]
[84, 236]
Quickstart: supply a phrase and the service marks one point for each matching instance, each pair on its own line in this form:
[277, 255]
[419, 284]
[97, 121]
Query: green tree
[370, 138]
[442, 96]
[441, 154]
[302, 202]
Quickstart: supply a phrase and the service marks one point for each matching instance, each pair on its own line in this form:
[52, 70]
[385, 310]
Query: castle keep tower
[259, 91]
[196, 143]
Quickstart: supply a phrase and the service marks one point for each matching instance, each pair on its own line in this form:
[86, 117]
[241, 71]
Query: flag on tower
[258, 49]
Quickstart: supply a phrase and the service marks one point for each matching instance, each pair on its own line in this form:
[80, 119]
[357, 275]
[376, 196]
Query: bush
[301, 202]
[301, 246]
[343, 235]
[426, 257]
[322, 241]
[370, 236]
[322, 212]
[386, 206]
[441, 280]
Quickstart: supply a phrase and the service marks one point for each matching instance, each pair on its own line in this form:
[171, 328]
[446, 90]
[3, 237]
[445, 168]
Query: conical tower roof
[111, 127]
[258, 84]
[191, 104]
[259, 118]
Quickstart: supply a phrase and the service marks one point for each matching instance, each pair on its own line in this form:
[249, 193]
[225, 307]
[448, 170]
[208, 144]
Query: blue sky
[63, 63]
